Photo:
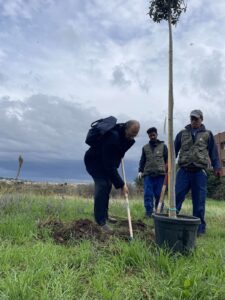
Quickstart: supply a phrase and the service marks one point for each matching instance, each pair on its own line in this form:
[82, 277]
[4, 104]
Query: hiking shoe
[112, 220]
[200, 233]
[106, 228]
[148, 216]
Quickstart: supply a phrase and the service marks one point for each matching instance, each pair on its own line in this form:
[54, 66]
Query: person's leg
[182, 187]
[101, 199]
[158, 184]
[110, 219]
[199, 190]
[148, 195]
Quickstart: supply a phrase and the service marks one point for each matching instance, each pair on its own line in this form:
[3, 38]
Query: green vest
[154, 164]
[194, 153]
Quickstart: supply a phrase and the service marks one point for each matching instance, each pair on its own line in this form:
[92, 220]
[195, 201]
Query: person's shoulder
[160, 142]
[203, 128]
[164, 144]
[146, 145]
[210, 134]
[179, 134]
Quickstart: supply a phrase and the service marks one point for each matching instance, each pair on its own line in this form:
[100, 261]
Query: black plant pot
[179, 235]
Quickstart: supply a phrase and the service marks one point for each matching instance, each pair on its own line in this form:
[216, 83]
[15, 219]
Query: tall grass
[31, 268]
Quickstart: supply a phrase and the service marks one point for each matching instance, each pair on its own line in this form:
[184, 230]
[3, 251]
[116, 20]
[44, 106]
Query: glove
[217, 173]
[139, 175]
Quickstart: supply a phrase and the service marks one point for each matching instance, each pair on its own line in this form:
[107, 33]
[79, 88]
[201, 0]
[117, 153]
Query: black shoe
[112, 220]
[200, 233]
[148, 216]
[106, 228]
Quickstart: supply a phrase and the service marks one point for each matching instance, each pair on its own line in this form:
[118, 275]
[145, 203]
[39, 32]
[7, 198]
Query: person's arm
[165, 154]
[213, 152]
[177, 143]
[109, 159]
[142, 161]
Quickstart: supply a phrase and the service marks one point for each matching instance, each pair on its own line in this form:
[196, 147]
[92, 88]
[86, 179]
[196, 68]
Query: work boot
[148, 215]
[200, 233]
[112, 220]
[106, 228]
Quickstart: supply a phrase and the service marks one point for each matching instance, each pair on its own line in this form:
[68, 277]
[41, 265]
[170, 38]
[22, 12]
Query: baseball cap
[196, 113]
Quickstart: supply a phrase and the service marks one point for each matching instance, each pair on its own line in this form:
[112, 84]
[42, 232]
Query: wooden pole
[171, 153]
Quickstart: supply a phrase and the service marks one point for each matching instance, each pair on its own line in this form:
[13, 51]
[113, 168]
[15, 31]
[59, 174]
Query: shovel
[127, 202]
[161, 199]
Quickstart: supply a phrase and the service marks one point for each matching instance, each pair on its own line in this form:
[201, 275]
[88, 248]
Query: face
[132, 131]
[196, 122]
[152, 136]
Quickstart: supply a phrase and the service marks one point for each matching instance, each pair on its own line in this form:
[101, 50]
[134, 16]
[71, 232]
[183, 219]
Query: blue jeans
[152, 188]
[197, 182]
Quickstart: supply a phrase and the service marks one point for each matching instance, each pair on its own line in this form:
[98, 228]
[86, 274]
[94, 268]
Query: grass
[31, 268]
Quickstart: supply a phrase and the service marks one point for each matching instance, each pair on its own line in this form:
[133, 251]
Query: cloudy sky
[64, 64]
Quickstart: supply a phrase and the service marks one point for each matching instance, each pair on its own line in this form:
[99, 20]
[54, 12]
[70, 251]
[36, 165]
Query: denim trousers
[152, 189]
[197, 183]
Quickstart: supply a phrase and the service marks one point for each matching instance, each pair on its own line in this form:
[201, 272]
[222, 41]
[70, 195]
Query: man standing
[102, 163]
[152, 167]
[195, 145]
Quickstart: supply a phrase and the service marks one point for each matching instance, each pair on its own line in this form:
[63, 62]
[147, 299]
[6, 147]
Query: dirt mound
[85, 229]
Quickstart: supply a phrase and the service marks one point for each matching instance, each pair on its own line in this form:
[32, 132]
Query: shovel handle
[127, 202]
[161, 199]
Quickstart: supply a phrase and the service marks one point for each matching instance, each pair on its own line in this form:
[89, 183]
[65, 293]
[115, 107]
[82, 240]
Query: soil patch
[85, 229]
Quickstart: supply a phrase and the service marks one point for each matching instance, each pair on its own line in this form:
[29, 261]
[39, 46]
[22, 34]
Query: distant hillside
[57, 171]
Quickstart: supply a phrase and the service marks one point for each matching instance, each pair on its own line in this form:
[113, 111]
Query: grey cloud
[3, 78]
[209, 75]
[139, 73]
[21, 8]
[119, 77]
[44, 127]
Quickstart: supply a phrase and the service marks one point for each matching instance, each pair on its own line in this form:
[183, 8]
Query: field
[37, 264]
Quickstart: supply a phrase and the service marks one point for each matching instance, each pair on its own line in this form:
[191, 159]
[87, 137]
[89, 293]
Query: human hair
[151, 129]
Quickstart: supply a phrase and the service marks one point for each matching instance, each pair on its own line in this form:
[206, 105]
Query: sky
[64, 64]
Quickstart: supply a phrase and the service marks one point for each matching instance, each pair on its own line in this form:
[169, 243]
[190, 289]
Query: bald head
[132, 128]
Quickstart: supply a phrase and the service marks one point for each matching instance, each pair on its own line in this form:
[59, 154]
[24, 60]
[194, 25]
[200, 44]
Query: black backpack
[98, 129]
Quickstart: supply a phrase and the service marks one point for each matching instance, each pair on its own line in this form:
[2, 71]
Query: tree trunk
[171, 153]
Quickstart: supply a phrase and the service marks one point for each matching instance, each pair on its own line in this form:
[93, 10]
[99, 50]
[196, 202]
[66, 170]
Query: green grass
[31, 268]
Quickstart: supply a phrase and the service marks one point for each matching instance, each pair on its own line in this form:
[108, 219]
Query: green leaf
[187, 283]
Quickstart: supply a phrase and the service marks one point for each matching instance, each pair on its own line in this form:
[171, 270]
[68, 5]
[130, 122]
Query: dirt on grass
[85, 229]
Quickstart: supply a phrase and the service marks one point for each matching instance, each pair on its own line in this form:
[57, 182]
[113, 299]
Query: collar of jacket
[200, 129]
[155, 143]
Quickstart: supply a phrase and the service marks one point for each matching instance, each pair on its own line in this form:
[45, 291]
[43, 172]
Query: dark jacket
[104, 159]
[211, 147]
[152, 146]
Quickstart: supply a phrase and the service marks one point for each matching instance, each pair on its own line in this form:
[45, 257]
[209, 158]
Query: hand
[217, 173]
[140, 174]
[124, 190]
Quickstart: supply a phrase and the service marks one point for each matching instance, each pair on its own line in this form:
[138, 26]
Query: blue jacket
[104, 160]
[212, 147]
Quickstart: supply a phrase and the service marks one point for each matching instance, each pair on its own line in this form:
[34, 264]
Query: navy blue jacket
[104, 159]
[212, 147]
